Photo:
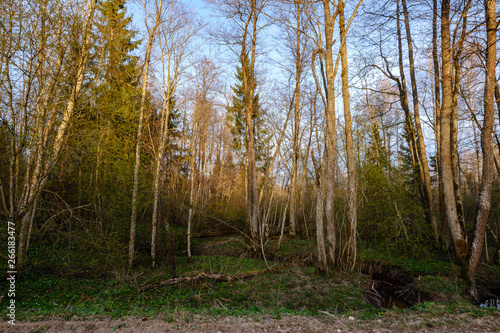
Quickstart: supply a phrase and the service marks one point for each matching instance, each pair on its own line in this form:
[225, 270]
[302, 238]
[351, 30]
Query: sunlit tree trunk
[424, 164]
[44, 163]
[192, 183]
[322, 264]
[145, 77]
[350, 255]
[409, 127]
[457, 233]
[456, 76]
[484, 202]
[176, 33]
[165, 116]
[331, 136]
[298, 76]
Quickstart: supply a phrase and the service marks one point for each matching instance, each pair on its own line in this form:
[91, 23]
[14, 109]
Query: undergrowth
[293, 289]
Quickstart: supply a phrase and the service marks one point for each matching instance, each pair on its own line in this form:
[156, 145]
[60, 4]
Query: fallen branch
[223, 242]
[216, 277]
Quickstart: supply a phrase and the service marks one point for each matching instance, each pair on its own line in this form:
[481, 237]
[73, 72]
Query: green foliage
[237, 122]
[390, 217]
[291, 290]
[86, 206]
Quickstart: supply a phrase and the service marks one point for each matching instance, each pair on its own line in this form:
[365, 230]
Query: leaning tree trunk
[484, 203]
[41, 171]
[424, 164]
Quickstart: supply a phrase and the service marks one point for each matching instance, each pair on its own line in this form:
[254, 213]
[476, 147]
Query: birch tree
[52, 25]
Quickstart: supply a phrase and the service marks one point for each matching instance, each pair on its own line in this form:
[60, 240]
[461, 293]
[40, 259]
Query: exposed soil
[391, 323]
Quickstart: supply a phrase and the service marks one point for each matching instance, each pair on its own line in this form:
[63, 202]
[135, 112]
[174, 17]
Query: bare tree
[176, 35]
[457, 232]
[205, 82]
[246, 15]
[152, 32]
[49, 124]
[484, 203]
[349, 258]
[424, 165]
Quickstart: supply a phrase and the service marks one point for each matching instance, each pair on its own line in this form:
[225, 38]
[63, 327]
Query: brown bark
[133, 218]
[424, 165]
[320, 224]
[215, 277]
[410, 129]
[456, 76]
[298, 75]
[45, 161]
[249, 91]
[350, 255]
[457, 233]
[192, 171]
[331, 139]
[484, 203]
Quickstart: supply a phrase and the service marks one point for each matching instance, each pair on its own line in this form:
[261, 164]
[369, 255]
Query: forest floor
[222, 290]
[246, 324]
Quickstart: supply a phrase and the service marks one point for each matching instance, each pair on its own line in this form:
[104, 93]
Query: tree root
[216, 277]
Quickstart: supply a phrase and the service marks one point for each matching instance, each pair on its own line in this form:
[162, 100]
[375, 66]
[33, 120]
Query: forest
[194, 155]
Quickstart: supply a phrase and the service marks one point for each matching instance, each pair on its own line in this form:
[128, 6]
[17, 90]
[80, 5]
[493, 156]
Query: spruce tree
[238, 125]
[100, 148]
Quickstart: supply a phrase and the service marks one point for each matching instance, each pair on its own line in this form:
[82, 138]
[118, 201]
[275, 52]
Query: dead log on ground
[216, 277]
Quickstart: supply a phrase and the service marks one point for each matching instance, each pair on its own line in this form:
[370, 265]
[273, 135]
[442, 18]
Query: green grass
[294, 289]
[430, 265]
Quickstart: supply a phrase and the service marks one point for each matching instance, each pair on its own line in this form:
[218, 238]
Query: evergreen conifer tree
[237, 122]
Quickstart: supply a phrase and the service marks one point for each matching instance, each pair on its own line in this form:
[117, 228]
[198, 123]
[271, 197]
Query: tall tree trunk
[457, 233]
[192, 171]
[424, 165]
[298, 75]
[322, 264]
[456, 75]
[350, 257]
[165, 116]
[133, 218]
[484, 203]
[249, 91]
[40, 175]
[409, 127]
[331, 136]
[437, 127]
